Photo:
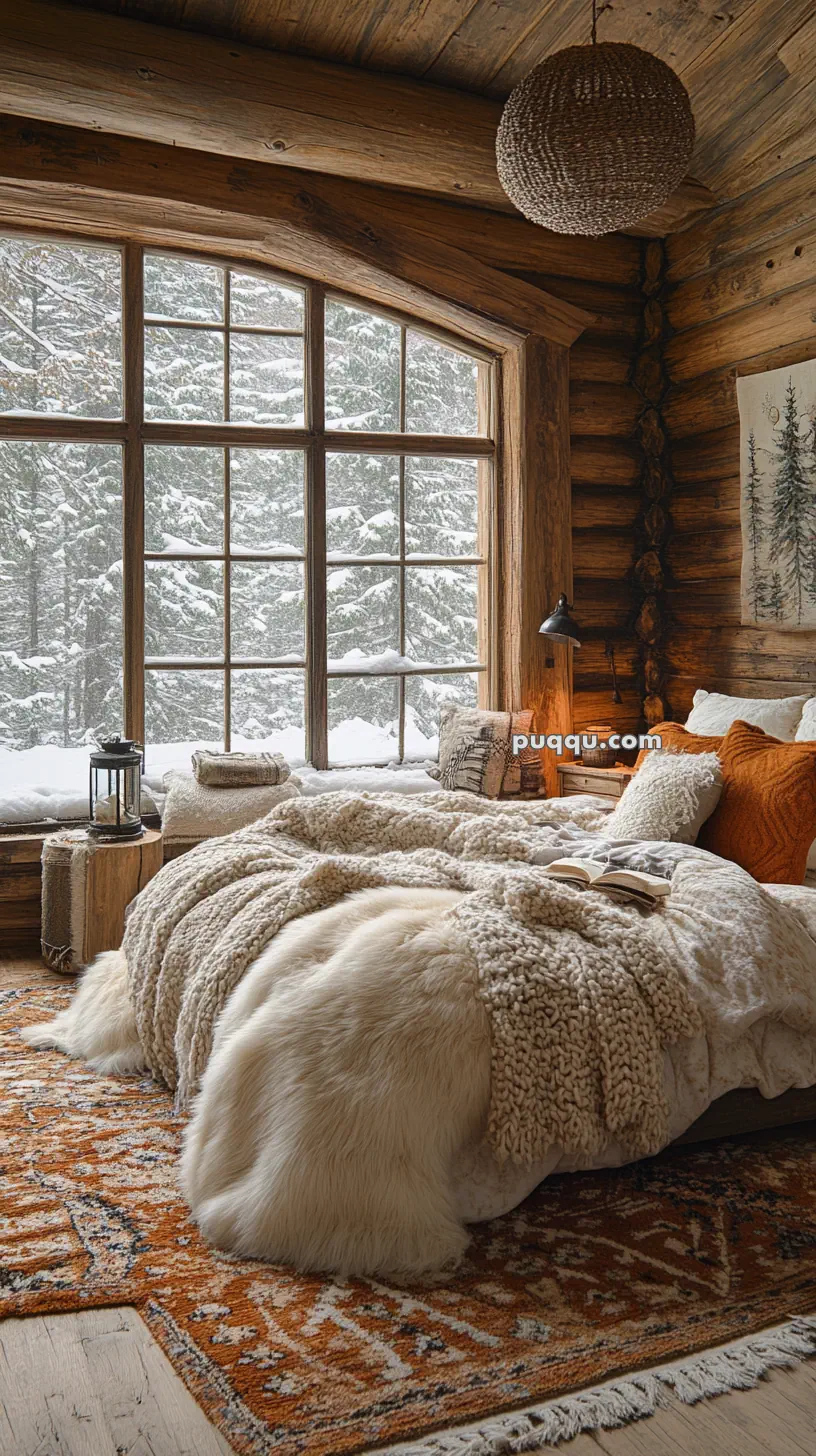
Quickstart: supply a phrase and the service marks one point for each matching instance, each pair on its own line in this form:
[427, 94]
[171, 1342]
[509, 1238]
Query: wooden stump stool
[87, 886]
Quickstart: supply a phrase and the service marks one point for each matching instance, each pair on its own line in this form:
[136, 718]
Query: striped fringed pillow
[476, 752]
[523, 774]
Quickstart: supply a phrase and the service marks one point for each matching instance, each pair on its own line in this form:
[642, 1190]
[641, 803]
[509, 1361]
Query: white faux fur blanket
[581, 994]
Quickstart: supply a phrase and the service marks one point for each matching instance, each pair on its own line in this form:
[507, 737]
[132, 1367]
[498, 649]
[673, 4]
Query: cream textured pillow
[476, 752]
[806, 731]
[193, 811]
[670, 797]
[713, 713]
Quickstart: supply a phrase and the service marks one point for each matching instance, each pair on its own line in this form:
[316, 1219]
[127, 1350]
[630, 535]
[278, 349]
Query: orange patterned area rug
[595, 1274]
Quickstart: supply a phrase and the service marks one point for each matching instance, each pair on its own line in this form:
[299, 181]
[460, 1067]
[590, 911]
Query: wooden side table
[574, 778]
[87, 887]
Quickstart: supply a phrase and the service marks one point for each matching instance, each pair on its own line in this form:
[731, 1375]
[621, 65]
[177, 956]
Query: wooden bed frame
[746, 1110]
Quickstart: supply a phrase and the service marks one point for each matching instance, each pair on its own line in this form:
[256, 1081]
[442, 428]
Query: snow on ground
[52, 782]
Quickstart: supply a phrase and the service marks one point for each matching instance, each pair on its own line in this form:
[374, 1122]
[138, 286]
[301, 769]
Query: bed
[389, 1023]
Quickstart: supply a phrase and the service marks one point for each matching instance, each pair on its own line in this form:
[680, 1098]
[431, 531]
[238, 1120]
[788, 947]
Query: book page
[576, 869]
[635, 880]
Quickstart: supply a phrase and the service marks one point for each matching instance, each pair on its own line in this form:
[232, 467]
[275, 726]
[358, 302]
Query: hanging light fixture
[595, 138]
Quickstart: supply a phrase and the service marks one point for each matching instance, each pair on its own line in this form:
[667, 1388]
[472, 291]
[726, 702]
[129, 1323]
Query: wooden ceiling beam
[64, 64]
[313, 229]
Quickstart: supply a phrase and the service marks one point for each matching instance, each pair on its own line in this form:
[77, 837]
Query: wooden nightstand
[573, 778]
[87, 887]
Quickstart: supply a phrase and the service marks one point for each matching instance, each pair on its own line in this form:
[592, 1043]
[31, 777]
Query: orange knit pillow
[766, 817]
[676, 738]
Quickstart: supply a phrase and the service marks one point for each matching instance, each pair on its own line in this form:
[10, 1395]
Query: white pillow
[806, 732]
[713, 714]
[670, 797]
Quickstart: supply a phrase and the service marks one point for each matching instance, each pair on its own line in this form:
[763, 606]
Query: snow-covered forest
[61, 512]
[779, 509]
[60, 504]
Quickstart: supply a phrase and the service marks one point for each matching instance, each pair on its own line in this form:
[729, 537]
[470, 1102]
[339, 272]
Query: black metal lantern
[115, 781]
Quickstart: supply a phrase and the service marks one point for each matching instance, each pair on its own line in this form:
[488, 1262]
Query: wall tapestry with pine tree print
[778, 501]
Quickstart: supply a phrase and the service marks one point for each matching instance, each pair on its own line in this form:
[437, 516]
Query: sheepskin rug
[350, 1069]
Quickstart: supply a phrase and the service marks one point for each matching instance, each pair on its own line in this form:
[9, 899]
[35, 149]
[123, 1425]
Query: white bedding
[750, 1048]
[296, 1077]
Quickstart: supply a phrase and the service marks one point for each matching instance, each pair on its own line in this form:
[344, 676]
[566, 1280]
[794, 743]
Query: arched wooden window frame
[341, 235]
[134, 432]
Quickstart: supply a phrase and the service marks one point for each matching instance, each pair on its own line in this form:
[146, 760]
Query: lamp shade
[560, 624]
[595, 138]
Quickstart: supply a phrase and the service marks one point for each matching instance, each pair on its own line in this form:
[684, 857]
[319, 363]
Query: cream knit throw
[581, 996]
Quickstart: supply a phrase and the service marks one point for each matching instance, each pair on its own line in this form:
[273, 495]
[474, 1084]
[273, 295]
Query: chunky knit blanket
[581, 994]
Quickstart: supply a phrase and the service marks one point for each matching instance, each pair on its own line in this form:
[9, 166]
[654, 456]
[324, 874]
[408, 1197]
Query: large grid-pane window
[285, 496]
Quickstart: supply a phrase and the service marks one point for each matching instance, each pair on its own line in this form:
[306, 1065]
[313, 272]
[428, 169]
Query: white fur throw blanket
[581, 994]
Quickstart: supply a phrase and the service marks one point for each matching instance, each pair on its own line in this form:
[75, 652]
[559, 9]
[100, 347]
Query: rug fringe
[738, 1366]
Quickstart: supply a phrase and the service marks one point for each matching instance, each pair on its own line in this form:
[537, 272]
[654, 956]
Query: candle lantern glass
[115, 780]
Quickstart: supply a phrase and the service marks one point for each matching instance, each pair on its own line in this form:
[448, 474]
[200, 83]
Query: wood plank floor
[95, 1383]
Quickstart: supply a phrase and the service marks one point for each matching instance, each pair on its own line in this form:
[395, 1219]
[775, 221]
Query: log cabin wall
[741, 299]
[606, 464]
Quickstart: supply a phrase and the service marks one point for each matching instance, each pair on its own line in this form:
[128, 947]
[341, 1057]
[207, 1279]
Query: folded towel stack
[239, 770]
[194, 810]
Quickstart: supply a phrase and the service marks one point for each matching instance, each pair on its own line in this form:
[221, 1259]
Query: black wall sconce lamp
[562, 627]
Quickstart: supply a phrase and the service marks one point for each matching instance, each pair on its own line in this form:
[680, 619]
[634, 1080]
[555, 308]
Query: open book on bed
[633, 884]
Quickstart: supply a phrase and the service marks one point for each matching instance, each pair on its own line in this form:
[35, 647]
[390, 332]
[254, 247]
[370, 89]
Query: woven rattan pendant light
[595, 138]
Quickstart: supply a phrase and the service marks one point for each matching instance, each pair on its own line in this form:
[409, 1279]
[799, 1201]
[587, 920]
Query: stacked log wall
[741, 299]
[606, 409]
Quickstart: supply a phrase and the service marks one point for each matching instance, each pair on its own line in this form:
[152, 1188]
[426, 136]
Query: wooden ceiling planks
[477, 45]
[750, 66]
[116, 75]
[405, 35]
[741, 90]
[487, 38]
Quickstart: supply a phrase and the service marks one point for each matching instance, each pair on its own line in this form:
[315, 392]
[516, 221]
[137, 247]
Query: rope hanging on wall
[595, 138]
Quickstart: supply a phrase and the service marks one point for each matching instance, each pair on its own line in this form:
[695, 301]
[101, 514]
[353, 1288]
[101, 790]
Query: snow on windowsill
[51, 783]
[360, 664]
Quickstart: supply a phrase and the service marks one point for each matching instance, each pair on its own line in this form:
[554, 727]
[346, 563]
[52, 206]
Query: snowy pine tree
[812, 583]
[756, 526]
[60, 504]
[793, 510]
[775, 599]
[812, 442]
